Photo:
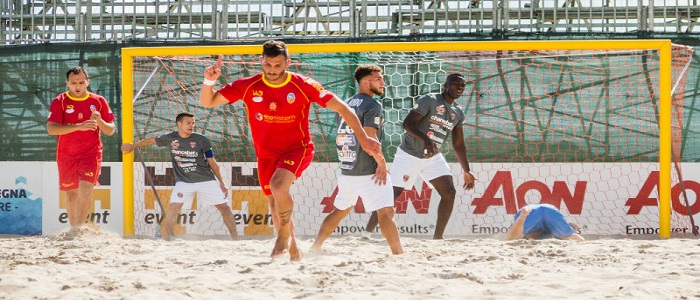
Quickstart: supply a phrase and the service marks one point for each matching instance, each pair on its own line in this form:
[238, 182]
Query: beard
[377, 91]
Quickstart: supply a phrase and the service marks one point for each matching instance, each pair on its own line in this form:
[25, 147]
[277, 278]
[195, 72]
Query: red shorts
[75, 169]
[296, 161]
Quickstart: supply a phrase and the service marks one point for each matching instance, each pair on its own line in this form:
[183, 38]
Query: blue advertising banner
[21, 201]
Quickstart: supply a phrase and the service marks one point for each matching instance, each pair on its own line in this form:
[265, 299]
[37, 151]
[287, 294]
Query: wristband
[209, 82]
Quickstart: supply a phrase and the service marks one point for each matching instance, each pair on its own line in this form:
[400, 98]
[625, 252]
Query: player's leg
[289, 166]
[344, 202]
[445, 188]
[330, 223]
[373, 220]
[229, 220]
[69, 182]
[280, 184]
[404, 172]
[72, 209]
[84, 202]
[210, 193]
[389, 230]
[182, 195]
[380, 199]
[438, 173]
[171, 216]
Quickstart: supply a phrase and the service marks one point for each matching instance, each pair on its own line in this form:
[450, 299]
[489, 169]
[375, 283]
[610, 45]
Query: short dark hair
[183, 115]
[274, 48]
[76, 71]
[365, 70]
[453, 77]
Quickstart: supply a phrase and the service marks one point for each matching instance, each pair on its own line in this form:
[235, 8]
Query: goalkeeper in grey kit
[196, 171]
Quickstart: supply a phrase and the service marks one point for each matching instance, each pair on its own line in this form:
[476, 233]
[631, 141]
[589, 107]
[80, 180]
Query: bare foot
[295, 254]
[281, 246]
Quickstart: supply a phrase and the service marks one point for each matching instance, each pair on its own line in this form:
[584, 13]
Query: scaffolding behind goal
[593, 128]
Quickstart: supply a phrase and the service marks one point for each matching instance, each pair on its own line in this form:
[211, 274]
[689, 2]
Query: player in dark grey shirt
[196, 171]
[433, 119]
[362, 175]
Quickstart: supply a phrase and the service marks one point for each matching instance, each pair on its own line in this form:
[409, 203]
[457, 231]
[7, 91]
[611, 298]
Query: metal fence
[40, 21]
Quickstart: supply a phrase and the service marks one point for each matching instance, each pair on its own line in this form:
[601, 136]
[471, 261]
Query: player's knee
[385, 213]
[448, 194]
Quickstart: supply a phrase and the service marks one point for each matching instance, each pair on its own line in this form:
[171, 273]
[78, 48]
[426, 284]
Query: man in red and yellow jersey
[278, 103]
[77, 117]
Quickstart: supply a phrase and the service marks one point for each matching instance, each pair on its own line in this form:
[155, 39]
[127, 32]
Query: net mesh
[578, 129]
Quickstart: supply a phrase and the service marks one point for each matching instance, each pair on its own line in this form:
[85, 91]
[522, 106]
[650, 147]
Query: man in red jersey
[278, 103]
[77, 117]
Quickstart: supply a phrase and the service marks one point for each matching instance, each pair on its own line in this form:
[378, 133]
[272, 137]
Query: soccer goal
[592, 127]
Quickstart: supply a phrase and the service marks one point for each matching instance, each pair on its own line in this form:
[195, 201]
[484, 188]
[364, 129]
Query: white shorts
[406, 168]
[373, 196]
[208, 193]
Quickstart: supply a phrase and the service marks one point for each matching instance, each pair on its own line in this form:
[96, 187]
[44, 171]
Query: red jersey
[278, 114]
[67, 110]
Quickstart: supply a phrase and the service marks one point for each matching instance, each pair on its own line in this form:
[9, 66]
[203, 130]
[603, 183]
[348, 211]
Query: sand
[102, 265]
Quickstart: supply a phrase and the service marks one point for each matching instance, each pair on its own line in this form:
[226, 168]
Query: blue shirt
[547, 219]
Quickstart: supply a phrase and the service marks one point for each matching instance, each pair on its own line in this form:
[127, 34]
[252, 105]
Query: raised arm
[207, 96]
[370, 145]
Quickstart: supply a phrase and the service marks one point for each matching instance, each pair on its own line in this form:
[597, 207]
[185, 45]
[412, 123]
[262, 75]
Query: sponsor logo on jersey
[440, 109]
[355, 102]
[291, 98]
[345, 140]
[257, 99]
[259, 116]
[175, 144]
[289, 162]
[279, 119]
[70, 109]
[258, 93]
[345, 154]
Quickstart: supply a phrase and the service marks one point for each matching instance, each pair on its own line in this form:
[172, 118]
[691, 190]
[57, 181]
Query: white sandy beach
[102, 265]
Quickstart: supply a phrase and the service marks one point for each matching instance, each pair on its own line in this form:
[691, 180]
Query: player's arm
[106, 127]
[370, 145]
[54, 128]
[516, 232]
[461, 152]
[410, 124]
[217, 171]
[207, 96]
[381, 172]
[127, 148]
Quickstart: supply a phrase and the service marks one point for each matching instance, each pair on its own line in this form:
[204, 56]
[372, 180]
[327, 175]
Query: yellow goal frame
[662, 46]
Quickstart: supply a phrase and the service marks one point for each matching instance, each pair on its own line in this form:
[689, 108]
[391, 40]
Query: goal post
[487, 50]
